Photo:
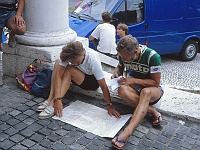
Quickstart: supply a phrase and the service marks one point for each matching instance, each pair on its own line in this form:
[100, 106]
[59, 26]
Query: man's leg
[142, 106]
[14, 29]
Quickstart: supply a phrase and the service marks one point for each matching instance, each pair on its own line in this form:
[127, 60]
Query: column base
[47, 39]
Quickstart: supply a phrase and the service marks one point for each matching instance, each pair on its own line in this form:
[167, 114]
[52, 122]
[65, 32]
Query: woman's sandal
[157, 121]
[120, 141]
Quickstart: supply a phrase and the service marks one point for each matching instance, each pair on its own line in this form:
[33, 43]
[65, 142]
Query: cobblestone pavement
[20, 127]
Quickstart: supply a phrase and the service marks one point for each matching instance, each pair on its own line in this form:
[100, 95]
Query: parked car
[165, 26]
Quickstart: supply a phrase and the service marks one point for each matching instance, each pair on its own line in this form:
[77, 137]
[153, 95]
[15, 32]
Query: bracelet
[58, 98]
[109, 104]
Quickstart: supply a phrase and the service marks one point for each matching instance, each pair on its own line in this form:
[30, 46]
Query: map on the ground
[93, 119]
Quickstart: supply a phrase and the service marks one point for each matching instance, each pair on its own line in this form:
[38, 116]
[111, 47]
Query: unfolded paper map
[93, 119]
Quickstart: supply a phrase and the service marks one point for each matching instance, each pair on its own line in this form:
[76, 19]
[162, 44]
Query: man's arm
[20, 7]
[91, 38]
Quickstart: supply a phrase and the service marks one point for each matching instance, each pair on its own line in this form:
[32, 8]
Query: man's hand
[125, 81]
[115, 75]
[113, 112]
[58, 108]
[18, 20]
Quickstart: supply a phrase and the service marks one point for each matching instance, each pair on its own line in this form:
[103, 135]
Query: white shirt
[91, 64]
[106, 34]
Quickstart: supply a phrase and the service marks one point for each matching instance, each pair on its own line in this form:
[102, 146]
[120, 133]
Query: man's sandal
[120, 141]
[157, 121]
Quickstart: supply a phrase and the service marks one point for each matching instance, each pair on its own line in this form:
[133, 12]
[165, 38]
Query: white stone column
[47, 32]
[47, 23]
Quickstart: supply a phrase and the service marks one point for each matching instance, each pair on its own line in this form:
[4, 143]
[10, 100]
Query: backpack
[26, 79]
[42, 84]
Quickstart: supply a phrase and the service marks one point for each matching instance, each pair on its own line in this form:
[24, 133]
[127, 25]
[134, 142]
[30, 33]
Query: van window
[131, 12]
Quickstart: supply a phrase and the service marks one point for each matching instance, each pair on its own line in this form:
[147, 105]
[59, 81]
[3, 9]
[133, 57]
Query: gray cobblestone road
[20, 127]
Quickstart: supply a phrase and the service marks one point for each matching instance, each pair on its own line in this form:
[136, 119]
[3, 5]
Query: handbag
[26, 79]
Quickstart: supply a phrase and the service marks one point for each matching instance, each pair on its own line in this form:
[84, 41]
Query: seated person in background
[105, 33]
[122, 30]
[11, 17]
[81, 67]
[142, 88]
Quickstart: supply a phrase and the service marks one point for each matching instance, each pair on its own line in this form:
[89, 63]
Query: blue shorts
[5, 15]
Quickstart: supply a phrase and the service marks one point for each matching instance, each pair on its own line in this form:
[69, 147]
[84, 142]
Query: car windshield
[92, 9]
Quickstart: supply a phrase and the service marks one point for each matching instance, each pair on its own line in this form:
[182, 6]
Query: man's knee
[146, 92]
[20, 30]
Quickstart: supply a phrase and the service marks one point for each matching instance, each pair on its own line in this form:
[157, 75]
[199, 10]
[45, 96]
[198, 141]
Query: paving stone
[186, 145]
[68, 140]
[45, 131]
[19, 147]
[29, 112]
[68, 127]
[179, 136]
[21, 117]
[14, 113]
[7, 144]
[27, 132]
[162, 139]
[28, 143]
[29, 121]
[174, 145]
[11, 131]
[3, 136]
[170, 129]
[31, 103]
[46, 143]
[16, 138]
[77, 147]
[54, 137]
[23, 108]
[159, 145]
[151, 136]
[12, 121]
[37, 137]
[35, 126]
[138, 134]
[176, 140]
[97, 142]
[195, 131]
[35, 116]
[4, 127]
[61, 132]
[44, 122]
[192, 135]
[142, 129]
[146, 142]
[134, 140]
[190, 140]
[37, 147]
[92, 146]
[141, 147]
[83, 141]
[89, 135]
[53, 126]
[74, 134]
[58, 145]
[167, 134]
[20, 126]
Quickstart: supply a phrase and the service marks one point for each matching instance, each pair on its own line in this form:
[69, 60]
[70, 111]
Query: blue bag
[42, 84]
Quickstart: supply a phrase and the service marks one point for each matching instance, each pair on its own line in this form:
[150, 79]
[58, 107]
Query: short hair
[124, 27]
[128, 43]
[71, 50]
[106, 16]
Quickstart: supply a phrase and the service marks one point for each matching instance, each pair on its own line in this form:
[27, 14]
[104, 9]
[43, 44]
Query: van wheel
[189, 51]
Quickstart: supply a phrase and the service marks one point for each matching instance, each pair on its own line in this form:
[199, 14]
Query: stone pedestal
[47, 32]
